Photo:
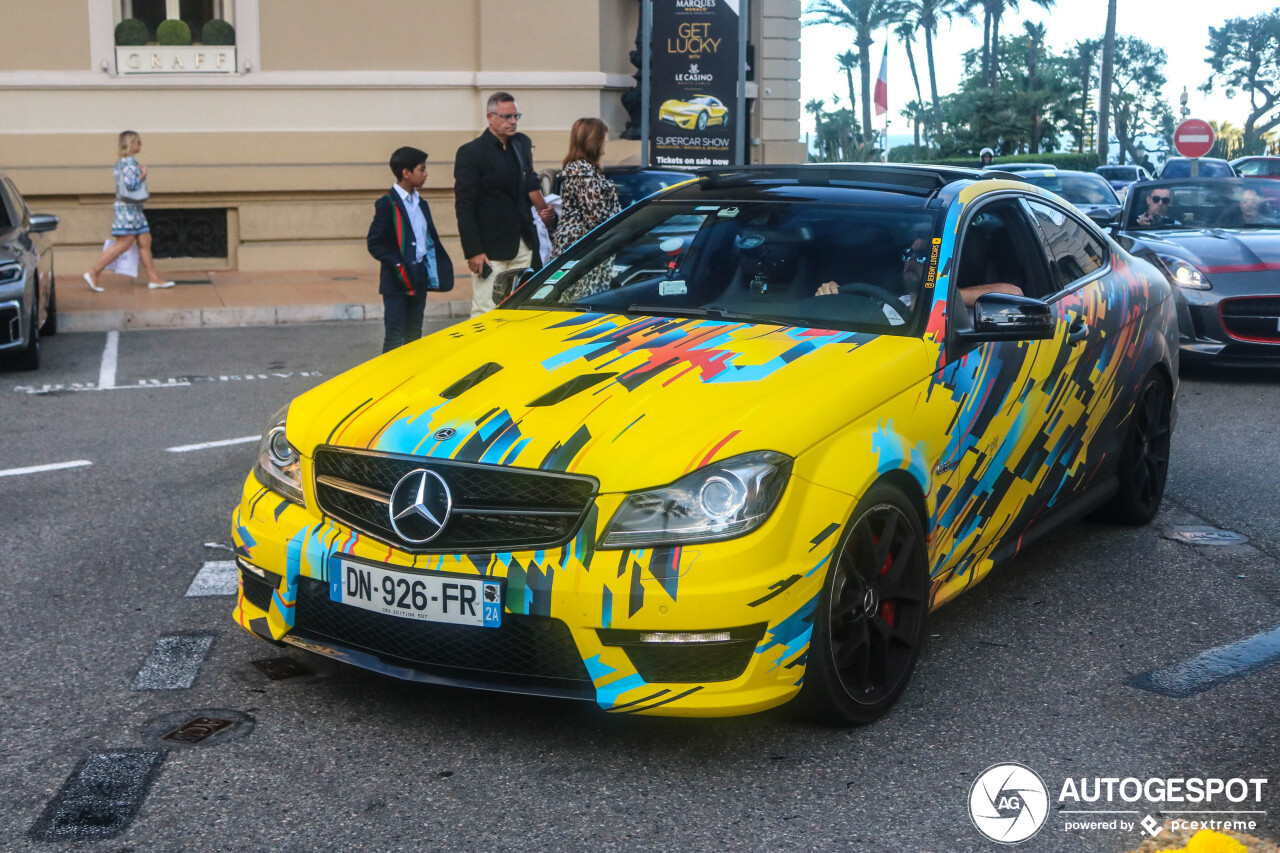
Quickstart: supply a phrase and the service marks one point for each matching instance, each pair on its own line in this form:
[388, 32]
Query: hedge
[173, 33]
[131, 32]
[218, 32]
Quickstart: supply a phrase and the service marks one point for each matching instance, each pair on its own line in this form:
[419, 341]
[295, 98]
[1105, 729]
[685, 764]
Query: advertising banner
[693, 100]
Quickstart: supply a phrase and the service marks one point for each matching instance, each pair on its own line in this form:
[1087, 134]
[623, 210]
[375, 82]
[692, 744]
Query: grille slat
[523, 509]
[524, 647]
[1252, 318]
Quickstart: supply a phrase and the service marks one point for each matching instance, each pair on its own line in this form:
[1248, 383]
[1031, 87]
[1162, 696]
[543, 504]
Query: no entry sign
[1193, 138]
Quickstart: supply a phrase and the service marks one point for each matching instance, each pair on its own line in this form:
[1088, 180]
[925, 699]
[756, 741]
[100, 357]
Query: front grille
[495, 508]
[524, 648]
[691, 662]
[1253, 318]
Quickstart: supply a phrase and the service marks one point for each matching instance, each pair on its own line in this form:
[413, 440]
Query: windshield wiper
[710, 311]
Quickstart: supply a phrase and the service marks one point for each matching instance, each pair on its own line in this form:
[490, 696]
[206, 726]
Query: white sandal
[94, 287]
[159, 285]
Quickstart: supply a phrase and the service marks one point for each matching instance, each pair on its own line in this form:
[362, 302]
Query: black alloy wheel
[1144, 462]
[870, 623]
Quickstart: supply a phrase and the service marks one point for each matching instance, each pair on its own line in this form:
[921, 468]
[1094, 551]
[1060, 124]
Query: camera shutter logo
[1008, 803]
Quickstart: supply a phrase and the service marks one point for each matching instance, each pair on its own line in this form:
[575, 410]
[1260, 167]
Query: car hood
[633, 401]
[1219, 250]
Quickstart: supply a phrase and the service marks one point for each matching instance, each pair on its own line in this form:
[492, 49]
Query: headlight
[1183, 274]
[10, 273]
[724, 500]
[279, 464]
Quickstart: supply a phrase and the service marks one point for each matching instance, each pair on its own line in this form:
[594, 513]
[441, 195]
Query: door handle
[1078, 331]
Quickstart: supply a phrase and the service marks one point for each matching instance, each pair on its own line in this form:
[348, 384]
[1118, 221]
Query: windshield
[1118, 173]
[1081, 188]
[633, 186]
[1205, 203]
[790, 263]
[1208, 169]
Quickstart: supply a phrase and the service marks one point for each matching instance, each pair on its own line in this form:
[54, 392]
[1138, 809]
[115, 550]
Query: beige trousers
[482, 288]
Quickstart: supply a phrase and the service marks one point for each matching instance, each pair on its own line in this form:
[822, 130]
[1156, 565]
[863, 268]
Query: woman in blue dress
[129, 224]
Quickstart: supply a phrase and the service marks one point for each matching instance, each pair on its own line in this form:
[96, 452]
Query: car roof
[912, 179]
[1048, 172]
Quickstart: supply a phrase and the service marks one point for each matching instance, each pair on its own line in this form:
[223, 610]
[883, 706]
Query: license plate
[456, 599]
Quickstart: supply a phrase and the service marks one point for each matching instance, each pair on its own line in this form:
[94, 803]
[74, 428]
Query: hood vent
[573, 386]
[471, 380]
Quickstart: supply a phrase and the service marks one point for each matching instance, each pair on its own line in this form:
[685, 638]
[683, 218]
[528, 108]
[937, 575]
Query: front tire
[1144, 462]
[870, 623]
[702, 121]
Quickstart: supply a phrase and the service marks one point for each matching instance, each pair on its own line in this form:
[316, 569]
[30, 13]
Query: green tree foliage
[1138, 107]
[1244, 55]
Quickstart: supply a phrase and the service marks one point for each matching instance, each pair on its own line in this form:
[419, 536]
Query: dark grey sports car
[1218, 242]
[28, 303]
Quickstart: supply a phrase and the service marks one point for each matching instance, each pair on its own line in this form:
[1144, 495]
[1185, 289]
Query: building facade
[268, 153]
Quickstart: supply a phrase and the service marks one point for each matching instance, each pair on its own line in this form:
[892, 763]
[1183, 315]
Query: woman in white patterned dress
[130, 224]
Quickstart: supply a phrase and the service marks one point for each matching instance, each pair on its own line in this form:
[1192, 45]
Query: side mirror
[1104, 217]
[43, 222]
[1005, 317]
[507, 283]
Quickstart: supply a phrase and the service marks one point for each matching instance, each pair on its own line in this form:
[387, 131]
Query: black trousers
[402, 319]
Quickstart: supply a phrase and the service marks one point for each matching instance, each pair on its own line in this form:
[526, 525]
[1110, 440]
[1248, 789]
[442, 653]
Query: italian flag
[881, 97]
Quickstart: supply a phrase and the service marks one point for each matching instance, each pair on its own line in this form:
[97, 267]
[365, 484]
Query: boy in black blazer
[403, 237]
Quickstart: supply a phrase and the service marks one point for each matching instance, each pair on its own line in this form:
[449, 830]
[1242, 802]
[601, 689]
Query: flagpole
[886, 96]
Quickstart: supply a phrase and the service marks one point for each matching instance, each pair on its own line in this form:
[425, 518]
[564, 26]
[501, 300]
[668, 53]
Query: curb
[223, 317]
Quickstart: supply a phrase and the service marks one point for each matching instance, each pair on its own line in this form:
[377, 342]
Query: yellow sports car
[801, 408]
[697, 113]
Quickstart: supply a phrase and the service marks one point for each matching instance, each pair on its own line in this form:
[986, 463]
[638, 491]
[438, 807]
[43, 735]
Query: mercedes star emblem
[444, 434]
[420, 506]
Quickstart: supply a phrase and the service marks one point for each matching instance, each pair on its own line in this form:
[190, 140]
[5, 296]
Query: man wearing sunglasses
[494, 183]
[1159, 200]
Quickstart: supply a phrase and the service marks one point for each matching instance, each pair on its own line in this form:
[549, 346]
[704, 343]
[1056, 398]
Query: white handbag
[136, 196]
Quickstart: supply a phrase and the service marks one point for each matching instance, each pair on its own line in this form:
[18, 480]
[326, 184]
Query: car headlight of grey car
[10, 272]
[724, 500]
[279, 465]
[1183, 273]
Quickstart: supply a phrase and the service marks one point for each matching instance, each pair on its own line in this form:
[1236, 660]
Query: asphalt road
[1033, 666]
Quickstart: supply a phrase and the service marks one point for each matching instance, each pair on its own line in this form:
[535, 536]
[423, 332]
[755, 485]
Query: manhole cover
[1205, 535]
[278, 669]
[193, 281]
[198, 727]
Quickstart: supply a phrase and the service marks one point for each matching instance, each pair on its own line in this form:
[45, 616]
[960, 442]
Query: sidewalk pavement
[202, 299]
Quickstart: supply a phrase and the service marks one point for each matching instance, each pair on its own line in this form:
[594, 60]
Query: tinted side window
[1073, 251]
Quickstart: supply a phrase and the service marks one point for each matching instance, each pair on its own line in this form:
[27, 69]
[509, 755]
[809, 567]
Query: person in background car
[1157, 216]
[587, 199]
[1251, 210]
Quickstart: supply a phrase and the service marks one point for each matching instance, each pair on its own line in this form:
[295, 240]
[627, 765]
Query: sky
[1180, 27]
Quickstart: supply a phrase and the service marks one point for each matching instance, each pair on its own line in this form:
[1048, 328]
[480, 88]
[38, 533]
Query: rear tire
[1144, 462]
[50, 327]
[870, 623]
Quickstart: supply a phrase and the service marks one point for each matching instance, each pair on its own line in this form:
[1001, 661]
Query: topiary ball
[172, 33]
[219, 33]
[131, 33]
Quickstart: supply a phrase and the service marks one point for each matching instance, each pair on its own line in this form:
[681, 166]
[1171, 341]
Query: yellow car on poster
[697, 113]
[728, 450]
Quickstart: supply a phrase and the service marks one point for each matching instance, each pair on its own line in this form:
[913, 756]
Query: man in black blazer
[494, 185]
[403, 237]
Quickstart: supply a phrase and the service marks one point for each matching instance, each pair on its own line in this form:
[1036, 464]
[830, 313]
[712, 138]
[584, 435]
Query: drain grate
[198, 727]
[194, 731]
[278, 669]
[1201, 534]
[345, 278]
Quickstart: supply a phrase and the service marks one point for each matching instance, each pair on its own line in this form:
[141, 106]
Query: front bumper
[688, 122]
[577, 623]
[1229, 328]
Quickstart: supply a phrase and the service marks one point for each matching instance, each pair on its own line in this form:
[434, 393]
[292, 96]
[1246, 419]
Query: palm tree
[995, 10]
[847, 62]
[1083, 63]
[927, 14]
[906, 33]
[1108, 72]
[1035, 42]
[864, 17]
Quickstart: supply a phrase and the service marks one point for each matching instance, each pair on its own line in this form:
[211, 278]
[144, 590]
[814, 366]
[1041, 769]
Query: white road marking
[171, 382]
[36, 469]
[226, 442]
[107, 372]
[216, 577]
[174, 663]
